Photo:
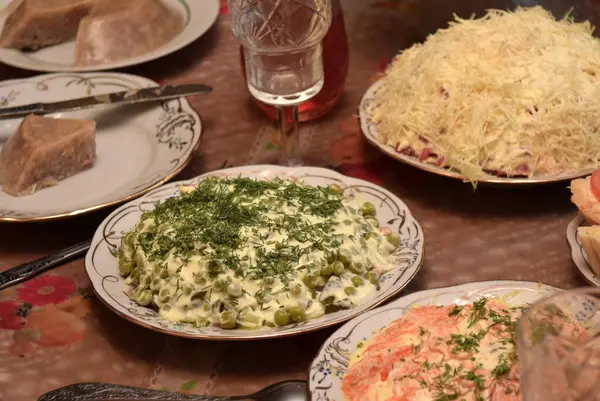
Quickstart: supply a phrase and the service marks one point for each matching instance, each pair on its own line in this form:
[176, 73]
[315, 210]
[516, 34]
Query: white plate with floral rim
[198, 17]
[578, 253]
[102, 266]
[328, 368]
[369, 130]
[138, 147]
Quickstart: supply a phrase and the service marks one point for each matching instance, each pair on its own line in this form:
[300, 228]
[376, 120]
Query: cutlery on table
[293, 390]
[27, 270]
[143, 95]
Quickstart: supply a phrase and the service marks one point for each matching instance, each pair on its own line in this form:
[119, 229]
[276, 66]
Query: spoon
[292, 390]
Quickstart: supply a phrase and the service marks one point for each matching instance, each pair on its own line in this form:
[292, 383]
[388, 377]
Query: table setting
[288, 200]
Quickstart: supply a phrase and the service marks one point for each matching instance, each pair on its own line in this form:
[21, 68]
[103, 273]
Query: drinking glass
[283, 57]
[558, 344]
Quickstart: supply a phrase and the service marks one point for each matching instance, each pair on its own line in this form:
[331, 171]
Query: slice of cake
[44, 151]
[115, 31]
[39, 23]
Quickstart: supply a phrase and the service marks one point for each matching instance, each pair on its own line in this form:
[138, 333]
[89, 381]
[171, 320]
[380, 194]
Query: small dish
[329, 366]
[138, 147]
[369, 130]
[578, 253]
[102, 266]
[198, 16]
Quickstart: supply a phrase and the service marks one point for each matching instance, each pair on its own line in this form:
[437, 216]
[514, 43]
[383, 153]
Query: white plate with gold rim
[198, 16]
[102, 266]
[578, 253]
[137, 147]
[371, 133]
[330, 365]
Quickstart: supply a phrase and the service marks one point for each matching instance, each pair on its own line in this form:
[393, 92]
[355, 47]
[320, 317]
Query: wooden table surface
[53, 331]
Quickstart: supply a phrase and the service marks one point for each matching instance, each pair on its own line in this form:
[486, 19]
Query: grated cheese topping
[513, 93]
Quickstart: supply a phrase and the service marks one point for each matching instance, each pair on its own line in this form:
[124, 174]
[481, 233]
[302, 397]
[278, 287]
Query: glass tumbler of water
[283, 57]
[558, 342]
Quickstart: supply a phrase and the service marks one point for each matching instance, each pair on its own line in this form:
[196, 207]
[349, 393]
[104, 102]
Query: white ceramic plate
[578, 253]
[137, 147]
[369, 130]
[328, 368]
[199, 16]
[102, 267]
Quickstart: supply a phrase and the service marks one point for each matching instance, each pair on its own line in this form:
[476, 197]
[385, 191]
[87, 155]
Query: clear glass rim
[559, 294]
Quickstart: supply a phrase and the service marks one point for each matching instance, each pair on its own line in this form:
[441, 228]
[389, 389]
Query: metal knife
[143, 95]
[27, 270]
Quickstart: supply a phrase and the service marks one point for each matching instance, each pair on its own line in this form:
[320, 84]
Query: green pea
[125, 267]
[373, 277]
[310, 281]
[187, 289]
[368, 209]
[296, 290]
[327, 271]
[129, 239]
[356, 268]
[135, 275]
[350, 291]
[370, 235]
[373, 222]
[156, 284]
[219, 285]
[345, 256]
[145, 298]
[164, 296]
[282, 317]
[394, 239]
[297, 314]
[146, 280]
[338, 268]
[202, 322]
[336, 189]
[228, 319]
[357, 281]
[199, 279]
[138, 259]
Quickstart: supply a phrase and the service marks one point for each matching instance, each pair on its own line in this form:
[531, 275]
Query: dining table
[55, 332]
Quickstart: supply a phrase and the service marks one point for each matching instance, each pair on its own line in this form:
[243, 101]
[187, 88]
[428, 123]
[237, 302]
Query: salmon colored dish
[439, 353]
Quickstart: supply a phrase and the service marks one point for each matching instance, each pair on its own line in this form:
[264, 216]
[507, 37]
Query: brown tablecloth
[492, 233]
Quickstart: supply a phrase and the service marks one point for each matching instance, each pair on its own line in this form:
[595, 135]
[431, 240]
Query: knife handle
[30, 269]
[19, 111]
[106, 391]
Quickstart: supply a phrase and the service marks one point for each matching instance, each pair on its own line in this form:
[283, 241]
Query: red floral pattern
[44, 290]
[9, 320]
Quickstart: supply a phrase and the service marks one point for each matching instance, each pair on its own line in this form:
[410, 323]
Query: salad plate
[578, 253]
[369, 130]
[138, 147]
[198, 16]
[331, 363]
[102, 265]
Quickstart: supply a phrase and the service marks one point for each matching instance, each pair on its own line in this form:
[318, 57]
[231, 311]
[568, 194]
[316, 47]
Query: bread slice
[35, 24]
[585, 200]
[589, 237]
[116, 31]
[44, 151]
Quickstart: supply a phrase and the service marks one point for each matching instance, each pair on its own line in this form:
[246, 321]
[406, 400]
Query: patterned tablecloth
[54, 332]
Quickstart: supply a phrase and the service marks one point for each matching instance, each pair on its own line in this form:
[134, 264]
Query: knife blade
[143, 95]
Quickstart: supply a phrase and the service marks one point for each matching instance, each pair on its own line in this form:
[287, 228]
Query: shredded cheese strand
[514, 93]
